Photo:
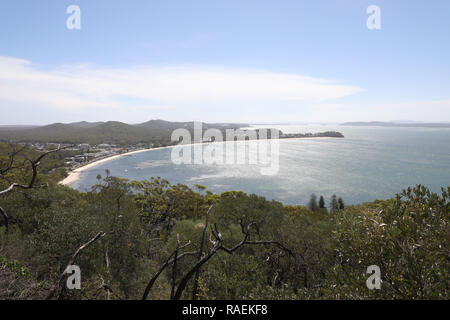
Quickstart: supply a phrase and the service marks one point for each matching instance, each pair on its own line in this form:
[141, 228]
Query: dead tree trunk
[57, 287]
[174, 268]
[6, 218]
[31, 184]
[218, 245]
[34, 167]
[202, 244]
[161, 269]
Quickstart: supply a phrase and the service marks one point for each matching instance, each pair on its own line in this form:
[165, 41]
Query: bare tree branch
[34, 166]
[174, 268]
[6, 218]
[218, 245]
[161, 269]
[202, 259]
[12, 156]
[202, 244]
[72, 259]
[105, 285]
[194, 269]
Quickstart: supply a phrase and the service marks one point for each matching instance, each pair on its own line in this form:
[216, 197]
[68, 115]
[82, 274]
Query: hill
[154, 131]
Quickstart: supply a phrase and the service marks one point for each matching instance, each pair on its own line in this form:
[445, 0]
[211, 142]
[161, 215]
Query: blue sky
[246, 61]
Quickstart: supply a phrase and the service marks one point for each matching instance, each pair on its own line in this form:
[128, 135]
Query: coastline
[74, 175]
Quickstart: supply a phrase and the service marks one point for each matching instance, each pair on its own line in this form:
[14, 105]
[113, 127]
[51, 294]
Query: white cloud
[139, 93]
[201, 89]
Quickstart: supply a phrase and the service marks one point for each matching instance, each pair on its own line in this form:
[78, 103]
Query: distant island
[326, 134]
[398, 124]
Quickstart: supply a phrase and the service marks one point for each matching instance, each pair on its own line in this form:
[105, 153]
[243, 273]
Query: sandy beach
[75, 174]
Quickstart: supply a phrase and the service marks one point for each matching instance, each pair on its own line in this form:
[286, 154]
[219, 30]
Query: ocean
[369, 163]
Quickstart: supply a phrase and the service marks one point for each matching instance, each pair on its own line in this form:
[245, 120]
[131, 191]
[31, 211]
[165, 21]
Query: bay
[369, 163]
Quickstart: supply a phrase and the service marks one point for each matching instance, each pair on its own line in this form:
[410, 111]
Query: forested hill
[158, 131]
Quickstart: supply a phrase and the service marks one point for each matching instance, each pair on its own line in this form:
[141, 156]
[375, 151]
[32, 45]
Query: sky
[224, 61]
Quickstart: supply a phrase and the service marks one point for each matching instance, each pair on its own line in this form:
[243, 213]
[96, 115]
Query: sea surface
[369, 163]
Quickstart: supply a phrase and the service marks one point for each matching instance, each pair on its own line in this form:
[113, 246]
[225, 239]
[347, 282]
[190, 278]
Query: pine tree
[313, 203]
[321, 203]
[333, 203]
[340, 204]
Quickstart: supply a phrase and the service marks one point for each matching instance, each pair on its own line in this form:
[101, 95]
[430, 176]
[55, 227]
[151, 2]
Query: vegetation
[153, 131]
[52, 169]
[153, 240]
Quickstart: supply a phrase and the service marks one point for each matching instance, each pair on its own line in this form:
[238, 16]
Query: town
[85, 153]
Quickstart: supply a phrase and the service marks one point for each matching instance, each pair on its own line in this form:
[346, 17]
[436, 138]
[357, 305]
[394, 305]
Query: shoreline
[74, 175]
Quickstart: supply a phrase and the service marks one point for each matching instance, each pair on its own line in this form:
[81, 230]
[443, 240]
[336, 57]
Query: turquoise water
[369, 163]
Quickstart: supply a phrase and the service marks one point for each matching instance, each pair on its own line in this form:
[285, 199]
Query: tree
[56, 288]
[313, 203]
[321, 203]
[333, 203]
[218, 244]
[34, 167]
[15, 165]
[200, 253]
[407, 237]
[340, 204]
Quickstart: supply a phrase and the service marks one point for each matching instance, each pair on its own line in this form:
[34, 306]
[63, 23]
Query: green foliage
[233, 277]
[157, 132]
[322, 203]
[312, 205]
[51, 167]
[236, 208]
[407, 237]
[16, 266]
